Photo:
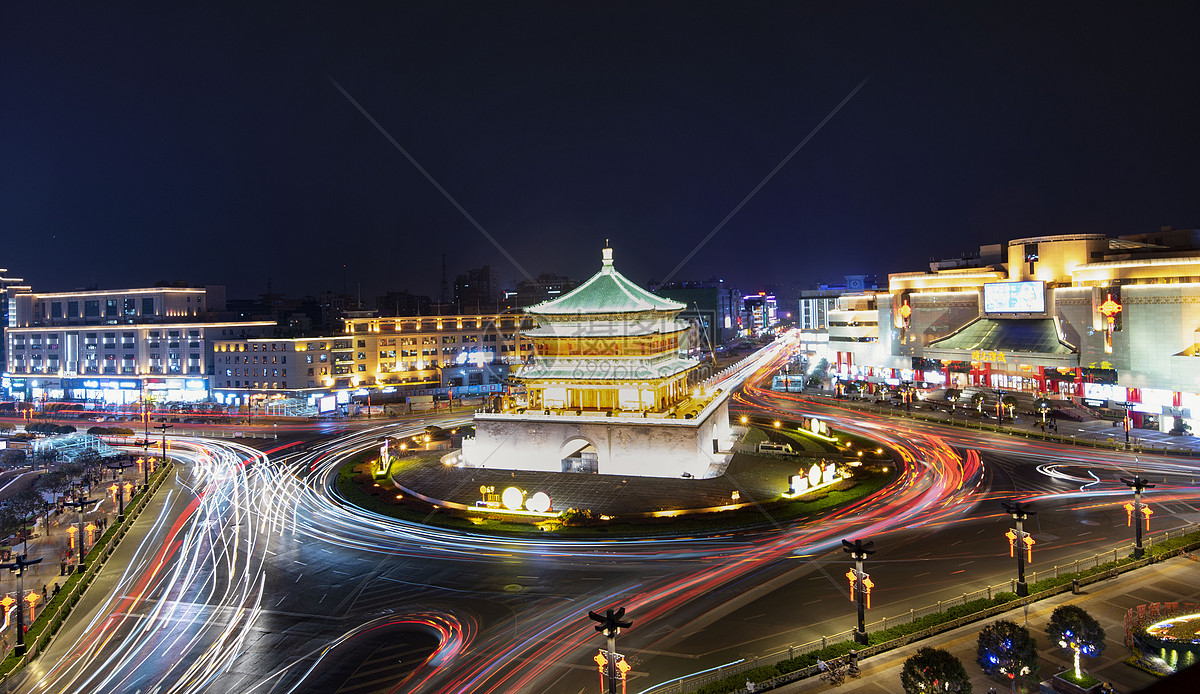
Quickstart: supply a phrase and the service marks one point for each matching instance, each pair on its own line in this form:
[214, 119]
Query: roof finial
[606, 254]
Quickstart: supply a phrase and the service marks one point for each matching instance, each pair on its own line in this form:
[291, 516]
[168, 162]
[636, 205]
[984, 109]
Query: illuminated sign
[326, 404]
[987, 355]
[129, 385]
[538, 503]
[512, 498]
[194, 384]
[91, 384]
[1014, 297]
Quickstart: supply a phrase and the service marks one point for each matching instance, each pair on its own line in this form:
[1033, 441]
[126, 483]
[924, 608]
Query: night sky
[208, 144]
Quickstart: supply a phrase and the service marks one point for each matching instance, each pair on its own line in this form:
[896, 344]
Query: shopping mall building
[1114, 321]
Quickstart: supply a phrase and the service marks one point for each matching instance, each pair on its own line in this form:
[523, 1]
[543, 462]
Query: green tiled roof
[608, 291]
[603, 371]
[1030, 335]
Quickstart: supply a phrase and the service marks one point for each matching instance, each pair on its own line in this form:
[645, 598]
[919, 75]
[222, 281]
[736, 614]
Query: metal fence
[691, 682]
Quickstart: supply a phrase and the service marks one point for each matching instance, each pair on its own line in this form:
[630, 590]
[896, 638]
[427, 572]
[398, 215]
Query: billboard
[1014, 297]
[326, 404]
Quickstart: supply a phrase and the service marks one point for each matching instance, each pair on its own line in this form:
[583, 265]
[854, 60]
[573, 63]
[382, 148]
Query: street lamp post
[610, 625]
[999, 406]
[1127, 421]
[1019, 541]
[19, 566]
[120, 466]
[163, 428]
[860, 582]
[1137, 484]
[145, 469]
[79, 504]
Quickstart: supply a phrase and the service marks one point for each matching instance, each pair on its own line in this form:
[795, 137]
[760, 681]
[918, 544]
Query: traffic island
[756, 491]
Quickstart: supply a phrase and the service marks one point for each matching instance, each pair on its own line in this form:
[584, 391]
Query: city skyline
[211, 146]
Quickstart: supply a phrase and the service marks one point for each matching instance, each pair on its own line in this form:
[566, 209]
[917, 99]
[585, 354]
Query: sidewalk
[1087, 432]
[49, 547]
[1107, 601]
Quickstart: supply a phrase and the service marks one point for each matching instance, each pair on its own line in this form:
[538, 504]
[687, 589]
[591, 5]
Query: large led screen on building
[1014, 297]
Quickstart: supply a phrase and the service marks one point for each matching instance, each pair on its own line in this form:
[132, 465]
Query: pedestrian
[44, 592]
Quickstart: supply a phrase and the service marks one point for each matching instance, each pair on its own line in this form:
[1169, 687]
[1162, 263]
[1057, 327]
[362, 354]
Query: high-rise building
[712, 306]
[477, 291]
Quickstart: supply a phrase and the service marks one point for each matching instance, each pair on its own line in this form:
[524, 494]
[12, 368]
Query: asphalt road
[249, 576]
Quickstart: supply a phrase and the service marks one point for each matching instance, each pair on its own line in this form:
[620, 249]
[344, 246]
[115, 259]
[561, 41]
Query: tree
[55, 482]
[934, 670]
[953, 394]
[1071, 627]
[1010, 402]
[45, 457]
[11, 457]
[1007, 649]
[977, 400]
[25, 505]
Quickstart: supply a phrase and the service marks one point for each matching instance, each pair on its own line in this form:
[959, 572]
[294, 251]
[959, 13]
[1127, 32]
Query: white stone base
[624, 445]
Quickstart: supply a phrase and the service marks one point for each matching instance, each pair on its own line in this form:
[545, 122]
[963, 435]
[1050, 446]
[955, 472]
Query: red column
[1041, 379]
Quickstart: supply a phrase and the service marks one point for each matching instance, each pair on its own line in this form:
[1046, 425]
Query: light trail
[184, 610]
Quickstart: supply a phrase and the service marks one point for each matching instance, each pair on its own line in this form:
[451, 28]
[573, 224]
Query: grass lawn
[381, 496]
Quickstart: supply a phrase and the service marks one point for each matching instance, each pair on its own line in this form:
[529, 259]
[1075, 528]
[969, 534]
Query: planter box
[1058, 685]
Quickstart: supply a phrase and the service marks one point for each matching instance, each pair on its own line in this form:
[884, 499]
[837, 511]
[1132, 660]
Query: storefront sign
[987, 355]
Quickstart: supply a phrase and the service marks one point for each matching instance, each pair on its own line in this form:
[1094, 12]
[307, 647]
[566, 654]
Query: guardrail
[689, 683]
[44, 630]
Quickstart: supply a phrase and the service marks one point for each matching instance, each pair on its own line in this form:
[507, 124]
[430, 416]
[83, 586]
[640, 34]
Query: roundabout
[757, 490]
